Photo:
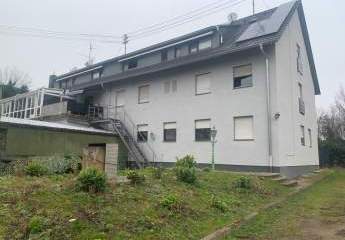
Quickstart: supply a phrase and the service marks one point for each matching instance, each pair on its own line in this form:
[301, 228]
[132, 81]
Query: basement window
[133, 63]
[243, 76]
[143, 132]
[203, 130]
[244, 128]
[170, 132]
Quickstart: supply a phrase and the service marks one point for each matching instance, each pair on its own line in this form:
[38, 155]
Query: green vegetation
[35, 169]
[135, 177]
[91, 180]
[186, 169]
[155, 209]
[316, 213]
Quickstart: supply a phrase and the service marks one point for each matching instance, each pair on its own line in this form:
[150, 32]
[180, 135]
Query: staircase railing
[112, 113]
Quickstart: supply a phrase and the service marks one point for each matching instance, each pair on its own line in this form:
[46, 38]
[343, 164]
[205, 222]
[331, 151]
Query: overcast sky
[40, 57]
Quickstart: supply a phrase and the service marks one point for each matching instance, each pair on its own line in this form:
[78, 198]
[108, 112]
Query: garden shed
[24, 139]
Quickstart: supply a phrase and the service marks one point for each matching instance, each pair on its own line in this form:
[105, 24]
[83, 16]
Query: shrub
[36, 224]
[243, 183]
[206, 169]
[35, 169]
[219, 204]
[135, 177]
[157, 172]
[91, 180]
[185, 169]
[172, 203]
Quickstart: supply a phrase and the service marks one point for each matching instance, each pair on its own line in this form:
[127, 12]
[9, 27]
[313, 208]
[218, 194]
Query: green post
[213, 141]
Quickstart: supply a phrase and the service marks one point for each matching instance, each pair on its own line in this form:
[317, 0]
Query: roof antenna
[253, 2]
[125, 41]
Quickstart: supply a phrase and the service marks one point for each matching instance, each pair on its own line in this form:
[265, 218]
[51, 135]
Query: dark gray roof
[247, 33]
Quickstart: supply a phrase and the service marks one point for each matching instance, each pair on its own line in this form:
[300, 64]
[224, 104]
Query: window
[178, 52]
[244, 128]
[299, 60]
[243, 76]
[310, 138]
[203, 130]
[166, 86]
[120, 98]
[170, 132]
[301, 105]
[96, 75]
[203, 84]
[164, 55]
[174, 85]
[142, 132]
[205, 44]
[144, 93]
[193, 47]
[302, 136]
[133, 63]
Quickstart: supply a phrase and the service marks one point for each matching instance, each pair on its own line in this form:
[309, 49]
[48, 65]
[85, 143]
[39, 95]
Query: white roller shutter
[203, 83]
[171, 125]
[244, 129]
[201, 124]
[120, 98]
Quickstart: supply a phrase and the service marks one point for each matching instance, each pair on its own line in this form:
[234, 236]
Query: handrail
[119, 113]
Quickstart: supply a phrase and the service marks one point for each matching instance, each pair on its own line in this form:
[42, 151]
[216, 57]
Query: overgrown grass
[53, 206]
[323, 203]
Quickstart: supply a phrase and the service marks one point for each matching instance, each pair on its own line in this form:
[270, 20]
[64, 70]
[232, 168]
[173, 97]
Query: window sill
[143, 102]
[198, 94]
[235, 88]
[245, 140]
[202, 140]
[169, 141]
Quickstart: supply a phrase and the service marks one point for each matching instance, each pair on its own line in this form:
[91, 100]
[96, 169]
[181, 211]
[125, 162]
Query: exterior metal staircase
[119, 121]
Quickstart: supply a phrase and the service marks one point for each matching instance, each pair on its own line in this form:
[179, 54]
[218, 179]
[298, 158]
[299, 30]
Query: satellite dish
[232, 17]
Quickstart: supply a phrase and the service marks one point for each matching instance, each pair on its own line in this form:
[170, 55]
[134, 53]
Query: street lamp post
[213, 141]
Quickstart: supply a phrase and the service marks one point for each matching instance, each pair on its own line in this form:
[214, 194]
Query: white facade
[174, 98]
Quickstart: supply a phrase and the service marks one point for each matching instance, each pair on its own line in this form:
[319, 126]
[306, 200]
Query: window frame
[196, 139]
[299, 61]
[310, 138]
[142, 138]
[196, 84]
[302, 132]
[164, 132]
[140, 87]
[253, 129]
[116, 98]
[129, 66]
[208, 39]
[234, 78]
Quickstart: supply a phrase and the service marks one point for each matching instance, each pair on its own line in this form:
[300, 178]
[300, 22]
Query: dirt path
[317, 213]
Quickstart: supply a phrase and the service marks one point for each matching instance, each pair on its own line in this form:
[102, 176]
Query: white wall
[221, 105]
[291, 152]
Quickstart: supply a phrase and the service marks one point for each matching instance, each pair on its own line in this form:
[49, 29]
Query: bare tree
[12, 82]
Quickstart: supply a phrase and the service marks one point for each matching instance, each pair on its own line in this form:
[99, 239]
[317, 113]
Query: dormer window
[193, 47]
[205, 44]
[96, 75]
[133, 63]
[178, 52]
[164, 55]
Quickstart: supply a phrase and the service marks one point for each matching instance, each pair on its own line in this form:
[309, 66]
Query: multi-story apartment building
[253, 79]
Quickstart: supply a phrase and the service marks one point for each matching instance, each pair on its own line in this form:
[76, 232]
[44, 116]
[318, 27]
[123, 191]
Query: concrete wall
[184, 107]
[25, 142]
[291, 152]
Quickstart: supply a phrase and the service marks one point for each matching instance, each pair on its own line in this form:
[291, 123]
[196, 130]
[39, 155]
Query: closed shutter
[200, 124]
[203, 83]
[242, 71]
[244, 128]
[144, 94]
[120, 98]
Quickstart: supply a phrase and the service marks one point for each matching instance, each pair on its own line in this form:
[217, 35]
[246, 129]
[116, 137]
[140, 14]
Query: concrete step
[316, 171]
[290, 183]
[279, 179]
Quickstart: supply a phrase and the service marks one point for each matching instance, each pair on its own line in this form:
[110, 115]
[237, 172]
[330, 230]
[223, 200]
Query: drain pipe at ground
[268, 103]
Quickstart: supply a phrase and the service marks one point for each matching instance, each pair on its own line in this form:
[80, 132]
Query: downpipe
[268, 106]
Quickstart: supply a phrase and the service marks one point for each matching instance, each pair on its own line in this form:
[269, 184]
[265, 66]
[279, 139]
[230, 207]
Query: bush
[172, 203]
[243, 183]
[36, 224]
[157, 172]
[91, 180]
[35, 169]
[206, 169]
[185, 169]
[135, 177]
[219, 204]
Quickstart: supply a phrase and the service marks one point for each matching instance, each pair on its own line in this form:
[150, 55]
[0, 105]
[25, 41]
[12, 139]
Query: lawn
[50, 207]
[316, 213]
